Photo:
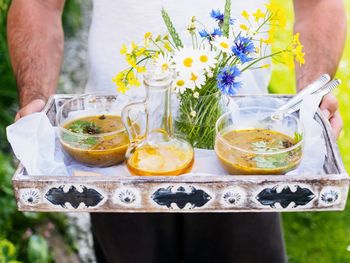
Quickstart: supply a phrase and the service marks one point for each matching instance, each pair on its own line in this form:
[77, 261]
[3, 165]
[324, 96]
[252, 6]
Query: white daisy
[207, 58]
[185, 60]
[198, 79]
[182, 83]
[223, 44]
[163, 62]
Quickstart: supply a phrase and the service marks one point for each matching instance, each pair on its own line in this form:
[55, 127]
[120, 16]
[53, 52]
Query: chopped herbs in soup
[258, 151]
[96, 140]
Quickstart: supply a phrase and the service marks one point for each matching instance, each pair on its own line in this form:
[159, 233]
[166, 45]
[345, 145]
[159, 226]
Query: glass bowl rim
[299, 123]
[75, 98]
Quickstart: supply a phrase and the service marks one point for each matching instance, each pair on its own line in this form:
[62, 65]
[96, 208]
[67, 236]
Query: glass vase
[195, 117]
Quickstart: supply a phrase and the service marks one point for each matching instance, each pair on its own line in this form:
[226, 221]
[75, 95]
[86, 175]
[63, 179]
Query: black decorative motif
[300, 197]
[329, 197]
[195, 197]
[89, 197]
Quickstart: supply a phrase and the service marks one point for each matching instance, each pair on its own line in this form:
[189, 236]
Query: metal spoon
[322, 91]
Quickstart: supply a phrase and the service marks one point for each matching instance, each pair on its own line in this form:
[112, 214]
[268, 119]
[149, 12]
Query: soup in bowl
[249, 143]
[91, 130]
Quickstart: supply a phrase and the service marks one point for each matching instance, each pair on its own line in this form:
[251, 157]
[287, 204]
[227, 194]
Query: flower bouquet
[209, 70]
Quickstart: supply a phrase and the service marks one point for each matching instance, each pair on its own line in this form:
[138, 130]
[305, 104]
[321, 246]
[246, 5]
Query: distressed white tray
[188, 193]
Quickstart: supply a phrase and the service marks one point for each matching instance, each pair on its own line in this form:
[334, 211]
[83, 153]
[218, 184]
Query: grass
[320, 237]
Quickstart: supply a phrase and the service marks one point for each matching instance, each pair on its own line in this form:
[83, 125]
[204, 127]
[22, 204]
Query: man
[36, 47]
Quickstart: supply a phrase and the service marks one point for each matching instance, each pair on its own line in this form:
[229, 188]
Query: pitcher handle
[133, 124]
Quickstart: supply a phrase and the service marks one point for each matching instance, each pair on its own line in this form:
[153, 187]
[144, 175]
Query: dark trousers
[188, 238]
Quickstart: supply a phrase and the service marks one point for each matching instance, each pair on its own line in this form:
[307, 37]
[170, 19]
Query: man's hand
[330, 109]
[32, 107]
[318, 22]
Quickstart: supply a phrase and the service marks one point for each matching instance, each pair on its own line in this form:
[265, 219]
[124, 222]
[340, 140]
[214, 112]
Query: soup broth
[263, 152]
[95, 140]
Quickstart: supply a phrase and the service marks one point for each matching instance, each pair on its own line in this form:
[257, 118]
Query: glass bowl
[91, 130]
[248, 142]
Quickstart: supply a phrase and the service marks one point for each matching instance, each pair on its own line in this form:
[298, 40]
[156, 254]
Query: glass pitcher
[154, 150]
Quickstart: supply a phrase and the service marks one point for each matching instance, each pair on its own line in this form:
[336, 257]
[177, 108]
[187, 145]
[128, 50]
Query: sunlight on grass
[320, 237]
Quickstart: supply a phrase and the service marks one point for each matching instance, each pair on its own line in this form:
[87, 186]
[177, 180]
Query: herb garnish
[85, 127]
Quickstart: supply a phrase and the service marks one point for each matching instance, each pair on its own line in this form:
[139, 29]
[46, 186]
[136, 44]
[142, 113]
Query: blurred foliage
[19, 232]
[320, 237]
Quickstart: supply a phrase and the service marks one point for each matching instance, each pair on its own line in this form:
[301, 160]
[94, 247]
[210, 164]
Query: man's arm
[35, 39]
[322, 28]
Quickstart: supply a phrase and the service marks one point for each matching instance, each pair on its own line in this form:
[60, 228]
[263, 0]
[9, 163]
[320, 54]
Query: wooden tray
[188, 193]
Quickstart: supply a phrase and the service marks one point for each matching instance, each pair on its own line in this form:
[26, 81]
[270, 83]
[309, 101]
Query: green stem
[259, 59]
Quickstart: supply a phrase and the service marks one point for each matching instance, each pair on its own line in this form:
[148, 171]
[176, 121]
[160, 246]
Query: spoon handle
[311, 88]
[323, 91]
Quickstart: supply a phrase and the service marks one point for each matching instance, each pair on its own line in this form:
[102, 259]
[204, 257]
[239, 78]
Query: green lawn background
[322, 237]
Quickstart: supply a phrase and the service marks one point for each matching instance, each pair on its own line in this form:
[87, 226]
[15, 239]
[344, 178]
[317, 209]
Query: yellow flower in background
[245, 14]
[278, 14]
[297, 50]
[258, 14]
[288, 59]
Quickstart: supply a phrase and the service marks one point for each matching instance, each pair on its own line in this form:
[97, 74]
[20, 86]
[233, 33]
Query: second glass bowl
[248, 143]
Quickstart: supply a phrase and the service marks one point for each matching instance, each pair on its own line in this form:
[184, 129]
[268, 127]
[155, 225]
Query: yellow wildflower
[122, 88]
[244, 27]
[245, 14]
[148, 35]
[124, 49]
[167, 46]
[140, 69]
[288, 59]
[278, 17]
[140, 51]
[258, 14]
[147, 38]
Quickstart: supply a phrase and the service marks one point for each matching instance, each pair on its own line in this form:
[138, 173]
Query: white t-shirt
[117, 22]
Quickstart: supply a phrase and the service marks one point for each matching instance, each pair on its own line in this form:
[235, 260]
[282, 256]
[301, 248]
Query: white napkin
[314, 147]
[35, 143]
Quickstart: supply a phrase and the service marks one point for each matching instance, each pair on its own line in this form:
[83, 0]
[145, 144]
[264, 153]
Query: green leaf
[171, 29]
[38, 250]
[297, 137]
[227, 15]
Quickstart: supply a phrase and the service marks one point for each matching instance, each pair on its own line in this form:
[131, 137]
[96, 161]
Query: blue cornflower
[242, 46]
[218, 16]
[226, 80]
[204, 33]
